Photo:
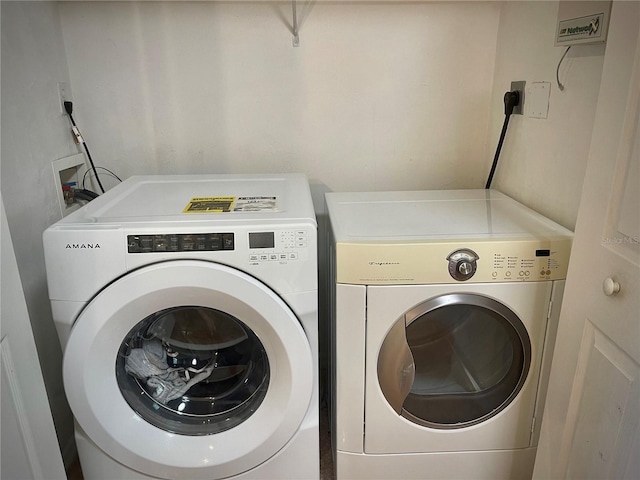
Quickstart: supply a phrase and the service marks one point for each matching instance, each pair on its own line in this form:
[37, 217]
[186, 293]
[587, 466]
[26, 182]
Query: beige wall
[543, 161]
[378, 96]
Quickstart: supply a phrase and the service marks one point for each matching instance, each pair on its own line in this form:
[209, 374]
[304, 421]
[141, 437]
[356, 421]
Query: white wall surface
[378, 96]
[34, 133]
[543, 161]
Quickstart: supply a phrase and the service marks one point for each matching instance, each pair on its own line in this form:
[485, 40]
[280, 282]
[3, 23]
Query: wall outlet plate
[519, 87]
[539, 93]
[64, 95]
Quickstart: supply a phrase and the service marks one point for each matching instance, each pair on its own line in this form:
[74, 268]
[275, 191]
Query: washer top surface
[437, 215]
[264, 225]
[237, 199]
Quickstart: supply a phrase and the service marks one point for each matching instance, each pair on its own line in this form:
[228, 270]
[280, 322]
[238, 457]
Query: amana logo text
[380, 264]
[83, 245]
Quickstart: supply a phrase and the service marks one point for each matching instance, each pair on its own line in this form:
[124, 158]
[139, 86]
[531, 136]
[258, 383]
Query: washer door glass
[192, 370]
[464, 358]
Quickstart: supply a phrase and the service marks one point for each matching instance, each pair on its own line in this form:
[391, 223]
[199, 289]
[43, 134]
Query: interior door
[29, 444]
[591, 421]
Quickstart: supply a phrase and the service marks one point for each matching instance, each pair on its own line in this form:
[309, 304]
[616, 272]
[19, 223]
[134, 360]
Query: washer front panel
[101, 410]
[407, 427]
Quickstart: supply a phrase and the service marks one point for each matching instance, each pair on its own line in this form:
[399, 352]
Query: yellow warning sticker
[210, 205]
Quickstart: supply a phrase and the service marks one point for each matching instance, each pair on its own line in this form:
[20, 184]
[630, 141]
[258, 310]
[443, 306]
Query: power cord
[109, 172]
[84, 194]
[68, 106]
[560, 85]
[511, 100]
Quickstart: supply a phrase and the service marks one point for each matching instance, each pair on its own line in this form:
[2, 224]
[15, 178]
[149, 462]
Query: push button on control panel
[277, 247]
[527, 264]
[180, 242]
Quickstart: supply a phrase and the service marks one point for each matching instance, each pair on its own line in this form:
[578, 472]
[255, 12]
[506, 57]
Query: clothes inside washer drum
[195, 328]
[166, 384]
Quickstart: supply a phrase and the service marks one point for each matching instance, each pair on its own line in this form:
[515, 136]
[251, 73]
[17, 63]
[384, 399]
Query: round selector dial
[462, 264]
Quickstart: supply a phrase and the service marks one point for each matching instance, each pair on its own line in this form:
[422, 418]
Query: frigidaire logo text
[83, 245]
[382, 264]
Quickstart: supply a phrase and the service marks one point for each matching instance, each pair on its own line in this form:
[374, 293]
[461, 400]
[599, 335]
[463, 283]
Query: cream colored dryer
[445, 309]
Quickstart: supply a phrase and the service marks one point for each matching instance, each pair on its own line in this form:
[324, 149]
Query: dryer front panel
[189, 369]
[452, 370]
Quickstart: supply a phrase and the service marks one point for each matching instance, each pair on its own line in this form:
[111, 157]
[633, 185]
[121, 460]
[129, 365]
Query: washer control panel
[180, 242]
[278, 246]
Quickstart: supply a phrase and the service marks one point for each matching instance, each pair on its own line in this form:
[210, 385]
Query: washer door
[463, 358]
[188, 369]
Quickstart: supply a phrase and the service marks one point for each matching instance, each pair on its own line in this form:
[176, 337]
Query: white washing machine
[187, 311]
[445, 306]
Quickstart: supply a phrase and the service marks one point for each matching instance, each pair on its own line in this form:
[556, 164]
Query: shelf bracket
[294, 14]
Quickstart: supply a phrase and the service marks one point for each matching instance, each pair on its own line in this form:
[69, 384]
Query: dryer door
[467, 357]
[453, 368]
[188, 369]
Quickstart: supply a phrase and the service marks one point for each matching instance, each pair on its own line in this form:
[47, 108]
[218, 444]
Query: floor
[326, 460]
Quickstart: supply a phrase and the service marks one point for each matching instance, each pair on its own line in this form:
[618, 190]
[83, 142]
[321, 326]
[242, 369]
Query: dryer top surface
[436, 215]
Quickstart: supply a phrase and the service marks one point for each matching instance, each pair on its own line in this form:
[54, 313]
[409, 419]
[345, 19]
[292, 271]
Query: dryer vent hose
[511, 100]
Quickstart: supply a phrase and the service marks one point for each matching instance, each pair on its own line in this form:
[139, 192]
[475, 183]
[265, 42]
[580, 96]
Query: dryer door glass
[192, 370]
[469, 356]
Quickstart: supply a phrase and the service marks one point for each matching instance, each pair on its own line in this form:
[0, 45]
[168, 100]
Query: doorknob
[610, 287]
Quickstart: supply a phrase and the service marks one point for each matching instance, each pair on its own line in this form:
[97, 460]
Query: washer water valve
[462, 264]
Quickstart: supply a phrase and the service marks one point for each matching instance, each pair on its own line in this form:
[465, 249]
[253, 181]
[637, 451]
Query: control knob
[462, 264]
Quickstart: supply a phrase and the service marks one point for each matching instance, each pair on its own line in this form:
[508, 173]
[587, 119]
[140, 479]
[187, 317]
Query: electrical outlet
[64, 95]
[519, 87]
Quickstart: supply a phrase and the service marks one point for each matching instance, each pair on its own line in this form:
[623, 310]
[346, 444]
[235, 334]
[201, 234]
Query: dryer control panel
[462, 264]
[536, 264]
[381, 263]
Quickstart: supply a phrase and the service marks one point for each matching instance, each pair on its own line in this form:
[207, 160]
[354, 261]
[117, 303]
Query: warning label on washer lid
[256, 204]
[231, 204]
[210, 205]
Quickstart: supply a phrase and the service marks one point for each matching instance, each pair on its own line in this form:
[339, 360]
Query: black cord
[68, 106]
[84, 177]
[495, 158]
[86, 195]
[511, 100]
[561, 86]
